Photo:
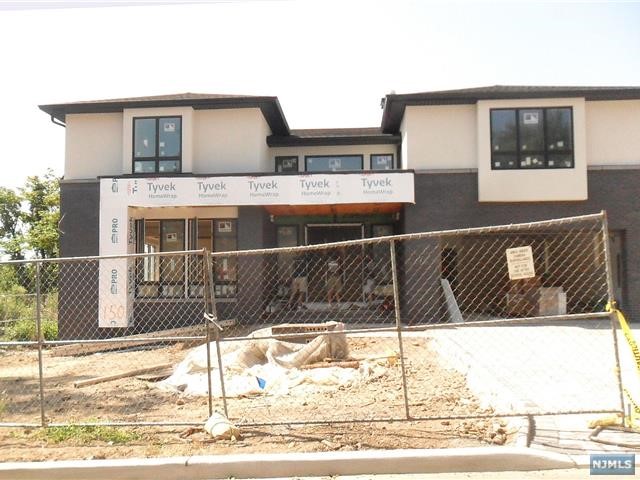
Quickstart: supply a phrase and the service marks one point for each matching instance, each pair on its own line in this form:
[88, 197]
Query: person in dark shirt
[334, 280]
[298, 282]
[370, 278]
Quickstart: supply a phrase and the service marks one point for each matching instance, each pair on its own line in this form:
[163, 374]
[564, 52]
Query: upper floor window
[287, 164]
[332, 163]
[382, 161]
[532, 138]
[157, 144]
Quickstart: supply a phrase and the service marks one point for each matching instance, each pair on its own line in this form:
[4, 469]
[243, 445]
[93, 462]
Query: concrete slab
[546, 368]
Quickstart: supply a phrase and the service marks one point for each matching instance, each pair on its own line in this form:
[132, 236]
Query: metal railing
[433, 326]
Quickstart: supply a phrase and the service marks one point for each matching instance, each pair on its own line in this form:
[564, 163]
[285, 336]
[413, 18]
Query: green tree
[11, 214]
[42, 196]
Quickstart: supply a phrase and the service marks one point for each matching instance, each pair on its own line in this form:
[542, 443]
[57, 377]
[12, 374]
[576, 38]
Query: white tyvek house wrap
[118, 194]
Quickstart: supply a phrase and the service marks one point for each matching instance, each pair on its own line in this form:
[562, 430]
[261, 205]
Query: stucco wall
[265, 160]
[439, 137]
[404, 134]
[300, 152]
[613, 132]
[213, 141]
[93, 145]
[229, 141]
[544, 185]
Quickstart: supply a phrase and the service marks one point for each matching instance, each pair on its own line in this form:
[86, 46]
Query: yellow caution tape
[627, 333]
[634, 421]
[635, 414]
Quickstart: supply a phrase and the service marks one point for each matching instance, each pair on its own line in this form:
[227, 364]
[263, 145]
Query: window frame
[393, 161]
[545, 152]
[141, 230]
[279, 158]
[156, 158]
[189, 243]
[230, 284]
[359, 155]
[390, 225]
[288, 225]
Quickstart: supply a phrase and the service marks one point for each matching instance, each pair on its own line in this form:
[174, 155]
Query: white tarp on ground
[266, 366]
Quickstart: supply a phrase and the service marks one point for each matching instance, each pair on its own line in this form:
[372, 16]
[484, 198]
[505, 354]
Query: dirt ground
[433, 391]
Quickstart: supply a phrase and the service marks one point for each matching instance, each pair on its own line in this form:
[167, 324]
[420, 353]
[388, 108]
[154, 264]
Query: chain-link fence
[62, 362]
[471, 323]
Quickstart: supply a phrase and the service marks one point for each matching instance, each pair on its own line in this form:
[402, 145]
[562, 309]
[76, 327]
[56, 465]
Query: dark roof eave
[395, 104]
[294, 141]
[270, 107]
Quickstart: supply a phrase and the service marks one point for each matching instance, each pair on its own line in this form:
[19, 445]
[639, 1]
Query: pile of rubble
[274, 361]
[487, 430]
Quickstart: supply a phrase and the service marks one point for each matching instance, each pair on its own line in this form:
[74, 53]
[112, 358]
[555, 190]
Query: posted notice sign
[520, 263]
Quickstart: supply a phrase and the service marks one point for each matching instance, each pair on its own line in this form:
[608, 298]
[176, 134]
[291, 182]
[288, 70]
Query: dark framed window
[219, 235]
[225, 239]
[157, 144]
[161, 276]
[333, 163]
[382, 161]
[165, 276]
[531, 138]
[286, 164]
[381, 230]
[287, 236]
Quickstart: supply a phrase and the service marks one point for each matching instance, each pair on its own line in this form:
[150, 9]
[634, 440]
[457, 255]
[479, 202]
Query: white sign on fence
[520, 263]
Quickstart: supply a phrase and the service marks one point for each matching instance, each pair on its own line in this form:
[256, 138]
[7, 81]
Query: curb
[583, 461]
[486, 459]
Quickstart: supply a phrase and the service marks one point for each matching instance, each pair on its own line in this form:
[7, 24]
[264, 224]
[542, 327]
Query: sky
[329, 62]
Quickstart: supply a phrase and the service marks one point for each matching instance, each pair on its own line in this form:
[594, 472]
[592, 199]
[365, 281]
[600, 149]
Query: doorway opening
[349, 259]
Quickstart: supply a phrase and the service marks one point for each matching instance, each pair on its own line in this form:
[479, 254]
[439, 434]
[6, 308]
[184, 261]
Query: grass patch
[25, 331]
[84, 435]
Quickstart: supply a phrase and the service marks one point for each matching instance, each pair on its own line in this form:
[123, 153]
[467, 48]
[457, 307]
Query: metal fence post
[207, 330]
[43, 420]
[612, 316]
[213, 317]
[396, 302]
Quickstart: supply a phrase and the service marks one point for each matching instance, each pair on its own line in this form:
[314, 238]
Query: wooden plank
[156, 376]
[130, 373]
[126, 342]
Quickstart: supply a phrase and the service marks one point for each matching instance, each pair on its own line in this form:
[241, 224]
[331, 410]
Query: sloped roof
[394, 104]
[170, 97]
[333, 136]
[270, 106]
